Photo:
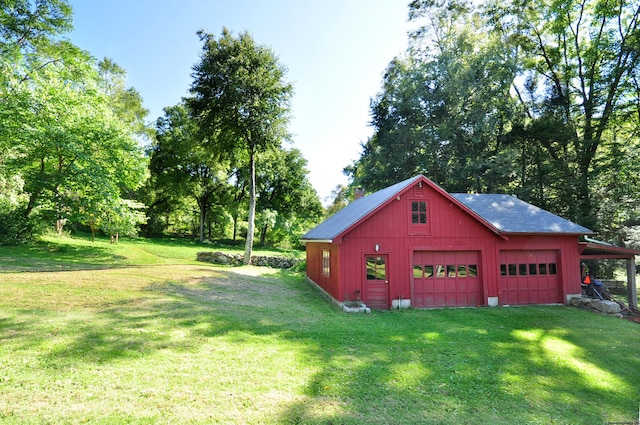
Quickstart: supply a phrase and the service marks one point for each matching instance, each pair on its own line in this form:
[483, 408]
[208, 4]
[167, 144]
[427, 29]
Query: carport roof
[597, 250]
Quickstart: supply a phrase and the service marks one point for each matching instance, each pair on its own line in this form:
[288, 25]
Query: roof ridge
[501, 212]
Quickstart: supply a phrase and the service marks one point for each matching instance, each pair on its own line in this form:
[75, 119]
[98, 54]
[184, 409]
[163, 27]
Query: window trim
[326, 263]
[419, 228]
[419, 214]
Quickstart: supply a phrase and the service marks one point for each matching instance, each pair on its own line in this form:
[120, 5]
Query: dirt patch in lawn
[245, 286]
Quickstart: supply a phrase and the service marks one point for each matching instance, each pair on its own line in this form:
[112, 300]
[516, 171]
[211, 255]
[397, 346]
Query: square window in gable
[419, 223]
[418, 212]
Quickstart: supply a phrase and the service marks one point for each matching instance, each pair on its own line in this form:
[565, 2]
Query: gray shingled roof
[511, 215]
[505, 213]
[355, 211]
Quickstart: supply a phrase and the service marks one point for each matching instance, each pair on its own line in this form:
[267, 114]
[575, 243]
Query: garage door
[529, 277]
[446, 279]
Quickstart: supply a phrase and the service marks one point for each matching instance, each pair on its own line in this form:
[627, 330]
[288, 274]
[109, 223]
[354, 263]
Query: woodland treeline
[77, 151]
[536, 98]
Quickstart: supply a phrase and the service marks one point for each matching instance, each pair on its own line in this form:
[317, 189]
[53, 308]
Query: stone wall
[256, 260]
[602, 306]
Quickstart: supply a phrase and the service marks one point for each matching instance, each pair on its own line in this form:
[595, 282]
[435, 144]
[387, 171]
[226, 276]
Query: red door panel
[377, 281]
[446, 279]
[529, 277]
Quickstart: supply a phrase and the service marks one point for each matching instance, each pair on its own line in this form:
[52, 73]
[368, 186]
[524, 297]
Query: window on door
[376, 268]
[530, 269]
[442, 270]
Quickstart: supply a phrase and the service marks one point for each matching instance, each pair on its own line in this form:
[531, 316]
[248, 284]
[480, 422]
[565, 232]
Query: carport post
[632, 295]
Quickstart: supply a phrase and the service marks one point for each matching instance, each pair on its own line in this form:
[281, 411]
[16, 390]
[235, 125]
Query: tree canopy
[73, 135]
[537, 98]
[241, 100]
[69, 143]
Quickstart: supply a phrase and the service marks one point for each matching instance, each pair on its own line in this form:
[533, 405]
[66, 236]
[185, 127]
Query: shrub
[15, 228]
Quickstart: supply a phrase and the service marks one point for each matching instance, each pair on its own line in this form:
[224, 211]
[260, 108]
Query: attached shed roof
[594, 249]
[503, 214]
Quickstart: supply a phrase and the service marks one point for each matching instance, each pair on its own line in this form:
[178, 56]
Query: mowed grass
[140, 333]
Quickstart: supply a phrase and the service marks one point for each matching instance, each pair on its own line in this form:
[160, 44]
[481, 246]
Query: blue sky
[335, 51]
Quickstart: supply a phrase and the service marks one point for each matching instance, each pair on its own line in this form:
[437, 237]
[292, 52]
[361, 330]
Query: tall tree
[539, 98]
[29, 42]
[64, 136]
[443, 108]
[78, 149]
[29, 36]
[125, 102]
[581, 62]
[242, 102]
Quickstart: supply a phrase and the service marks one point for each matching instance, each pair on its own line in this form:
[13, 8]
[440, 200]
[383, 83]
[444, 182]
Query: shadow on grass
[175, 316]
[474, 366]
[534, 365]
[46, 256]
[56, 254]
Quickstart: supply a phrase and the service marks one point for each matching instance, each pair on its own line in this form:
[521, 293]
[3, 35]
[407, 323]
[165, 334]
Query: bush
[15, 228]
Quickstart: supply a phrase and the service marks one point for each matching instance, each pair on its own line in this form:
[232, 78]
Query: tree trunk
[263, 234]
[236, 211]
[248, 248]
[60, 225]
[586, 213]
[203, 214]
[235, 224]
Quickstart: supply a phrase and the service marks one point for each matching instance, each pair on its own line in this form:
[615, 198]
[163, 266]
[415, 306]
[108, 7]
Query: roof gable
[356, 211]
[502, 214]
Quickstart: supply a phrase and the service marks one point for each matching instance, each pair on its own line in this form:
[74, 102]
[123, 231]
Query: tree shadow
[46, 256]
[504, 366]
[461, 367]
[174, 315]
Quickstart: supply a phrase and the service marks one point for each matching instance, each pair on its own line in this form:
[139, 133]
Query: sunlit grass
[54, 253]
[151, 336]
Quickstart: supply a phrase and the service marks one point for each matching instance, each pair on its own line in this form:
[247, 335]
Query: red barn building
[414, 244]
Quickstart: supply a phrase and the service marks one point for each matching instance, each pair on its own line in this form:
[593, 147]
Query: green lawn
[140, 333]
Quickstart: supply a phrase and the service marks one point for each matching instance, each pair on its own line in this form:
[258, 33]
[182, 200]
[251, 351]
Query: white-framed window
[326, 262]
[418, 212]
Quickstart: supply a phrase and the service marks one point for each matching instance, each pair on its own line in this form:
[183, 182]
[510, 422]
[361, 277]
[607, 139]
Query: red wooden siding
[529, 277]
[446, 279]
[314, 268]
[448, 228]
[450, 232]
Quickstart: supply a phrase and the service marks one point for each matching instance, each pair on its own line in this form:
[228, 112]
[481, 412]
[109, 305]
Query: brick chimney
[358, 193]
